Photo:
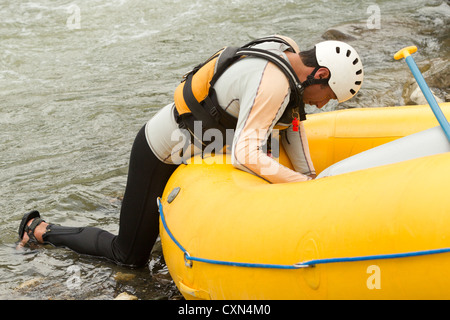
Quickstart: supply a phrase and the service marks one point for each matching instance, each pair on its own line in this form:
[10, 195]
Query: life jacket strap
[209, 111]
[202, 114]
[270, 39]
[310, 80]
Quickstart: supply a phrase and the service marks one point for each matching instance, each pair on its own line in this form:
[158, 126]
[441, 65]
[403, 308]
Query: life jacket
[195, 97]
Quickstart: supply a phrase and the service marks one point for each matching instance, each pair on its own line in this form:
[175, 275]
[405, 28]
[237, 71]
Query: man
[250, 90]
[258, 94]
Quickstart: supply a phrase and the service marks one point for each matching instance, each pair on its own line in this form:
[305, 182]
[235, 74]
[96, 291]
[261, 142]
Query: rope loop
[187, 260]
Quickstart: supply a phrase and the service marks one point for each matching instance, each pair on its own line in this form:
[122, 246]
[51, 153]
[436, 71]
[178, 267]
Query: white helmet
[345, 67]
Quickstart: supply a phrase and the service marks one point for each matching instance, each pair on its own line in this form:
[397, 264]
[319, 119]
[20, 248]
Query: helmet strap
[310, 80]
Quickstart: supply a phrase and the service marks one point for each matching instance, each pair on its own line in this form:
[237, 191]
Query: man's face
[318, 95]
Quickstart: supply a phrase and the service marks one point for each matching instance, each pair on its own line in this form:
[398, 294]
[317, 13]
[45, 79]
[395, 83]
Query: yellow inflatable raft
[381, 232]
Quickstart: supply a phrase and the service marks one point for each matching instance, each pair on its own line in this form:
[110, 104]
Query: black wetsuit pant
[139, 216]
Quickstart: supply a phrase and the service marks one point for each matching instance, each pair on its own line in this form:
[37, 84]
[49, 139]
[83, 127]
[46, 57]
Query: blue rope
[376, 257]
[305, 264]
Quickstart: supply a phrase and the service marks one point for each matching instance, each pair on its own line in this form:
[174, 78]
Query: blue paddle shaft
[429, 96]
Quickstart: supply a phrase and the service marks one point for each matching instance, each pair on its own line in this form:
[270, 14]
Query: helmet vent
[338, 50]
[355, 61]
[348, 53]
[357, 83]
[352, 91]
[359, 72]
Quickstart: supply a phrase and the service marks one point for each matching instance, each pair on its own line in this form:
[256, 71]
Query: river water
[78, 79]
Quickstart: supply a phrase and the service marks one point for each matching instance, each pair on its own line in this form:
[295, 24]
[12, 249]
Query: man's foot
[31, 229]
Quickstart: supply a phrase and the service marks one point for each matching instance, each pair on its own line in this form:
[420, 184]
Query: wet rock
[125, 296]
[164, 279]
[346, 32]
[436, 73]
[336, 34]
[418, 98]
[30, 284]
[124, 277]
